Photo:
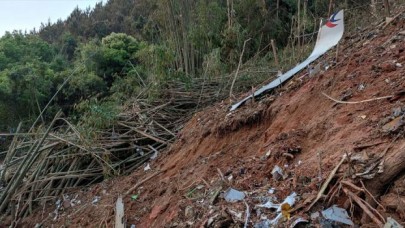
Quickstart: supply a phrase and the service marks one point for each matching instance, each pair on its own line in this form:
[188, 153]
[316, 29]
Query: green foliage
[97, 114]
[213, 66]
[205, 33]
[26, 74]
[121, 47]
[110, 58]
[157, 61]
[82, 85]
[232, 43]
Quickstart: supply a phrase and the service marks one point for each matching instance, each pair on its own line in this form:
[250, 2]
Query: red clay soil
[296, 128]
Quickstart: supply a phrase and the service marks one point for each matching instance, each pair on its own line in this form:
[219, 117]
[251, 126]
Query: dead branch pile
[43, 164]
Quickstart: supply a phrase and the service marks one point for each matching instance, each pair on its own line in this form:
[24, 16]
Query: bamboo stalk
[25, 166]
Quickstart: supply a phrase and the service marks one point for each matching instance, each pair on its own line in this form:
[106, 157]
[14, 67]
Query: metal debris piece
[271, 190]
[315, 216]
[269, 205]
[154, 156]
[277, 173]
[327, 38]
[119, 213]
[147, 167]
[231, 195]
[140, 151]
[298, 220]
[58, 207]
[275, 221]
[397, 111]
[290, 200]
[391, 223]
[337, 214]
[96, 199]
[266, 156]
[211, 220]
[247, 215]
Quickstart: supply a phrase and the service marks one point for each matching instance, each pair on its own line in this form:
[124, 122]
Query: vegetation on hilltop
[119, 48]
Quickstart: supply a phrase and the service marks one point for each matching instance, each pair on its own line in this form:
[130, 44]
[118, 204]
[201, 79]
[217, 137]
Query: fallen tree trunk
[394, 165]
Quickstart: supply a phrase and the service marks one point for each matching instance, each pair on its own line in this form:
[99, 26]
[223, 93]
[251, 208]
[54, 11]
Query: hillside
[298, 128]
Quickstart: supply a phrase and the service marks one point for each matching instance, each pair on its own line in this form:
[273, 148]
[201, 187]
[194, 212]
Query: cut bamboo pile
[43, 164]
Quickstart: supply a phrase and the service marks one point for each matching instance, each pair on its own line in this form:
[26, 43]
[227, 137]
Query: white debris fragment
[337, 214]
[315, 216]
[391, 223]
[277, 173]
[290, 200]
[154, 156]
[269, 205]
[231, 195]
[298, 220]
[147, 167]
[96, 199]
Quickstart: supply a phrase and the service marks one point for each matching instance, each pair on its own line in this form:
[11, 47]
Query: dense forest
[91, 63]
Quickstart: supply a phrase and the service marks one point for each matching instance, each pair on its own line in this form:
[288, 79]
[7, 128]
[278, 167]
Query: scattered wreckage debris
[328, 37]
[337, 214]
[195, 187]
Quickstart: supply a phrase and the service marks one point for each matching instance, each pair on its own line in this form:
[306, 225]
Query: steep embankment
[296, 128]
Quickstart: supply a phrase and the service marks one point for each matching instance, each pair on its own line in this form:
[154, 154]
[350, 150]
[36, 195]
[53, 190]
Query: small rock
[388, 67]
[66, 204]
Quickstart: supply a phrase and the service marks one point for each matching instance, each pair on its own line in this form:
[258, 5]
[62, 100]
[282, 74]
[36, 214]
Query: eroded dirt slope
[297, 128]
